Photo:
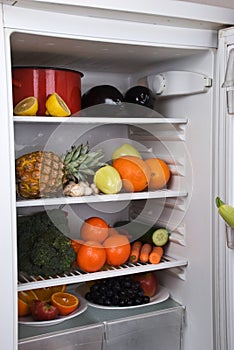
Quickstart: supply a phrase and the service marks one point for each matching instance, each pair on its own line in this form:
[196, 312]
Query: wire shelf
[78, 276]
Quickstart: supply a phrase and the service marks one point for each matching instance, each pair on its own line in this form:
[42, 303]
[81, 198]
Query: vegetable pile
[145, 252]
[43, 246]
[149, 247]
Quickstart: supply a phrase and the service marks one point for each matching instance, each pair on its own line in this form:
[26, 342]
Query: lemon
[27, 106]
[125, 150]
[56, 107]
[108, 180]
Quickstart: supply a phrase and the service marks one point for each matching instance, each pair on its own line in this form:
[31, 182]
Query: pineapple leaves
[80, 162]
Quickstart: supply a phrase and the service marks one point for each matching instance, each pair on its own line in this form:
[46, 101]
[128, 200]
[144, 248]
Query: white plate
[28, 320]
[161, 295]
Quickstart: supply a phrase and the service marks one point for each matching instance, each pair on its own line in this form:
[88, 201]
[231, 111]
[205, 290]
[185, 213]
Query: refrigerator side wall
[8, 334]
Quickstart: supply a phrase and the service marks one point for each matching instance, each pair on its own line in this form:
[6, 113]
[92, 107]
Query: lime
[28, 106]
[108, 180]
[125, 150]
[56, 107]
[160, 237]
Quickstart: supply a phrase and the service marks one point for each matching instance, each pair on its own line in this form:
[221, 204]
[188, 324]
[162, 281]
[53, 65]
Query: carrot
[155, 255]
[145, 251]
[135, 251]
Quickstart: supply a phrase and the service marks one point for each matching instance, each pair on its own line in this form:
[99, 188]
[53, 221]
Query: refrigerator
[184, 54]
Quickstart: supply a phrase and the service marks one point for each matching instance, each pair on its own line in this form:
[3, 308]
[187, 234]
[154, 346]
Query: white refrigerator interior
[172, 48]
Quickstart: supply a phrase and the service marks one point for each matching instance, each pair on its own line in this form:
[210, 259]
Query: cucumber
[144, 233]
[138, 231]
[160, 237]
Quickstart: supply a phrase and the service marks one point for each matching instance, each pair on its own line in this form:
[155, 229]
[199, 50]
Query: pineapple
[43, 174]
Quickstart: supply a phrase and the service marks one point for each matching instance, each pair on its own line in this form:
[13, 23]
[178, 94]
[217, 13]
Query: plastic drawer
[82, 338]
[146, 331]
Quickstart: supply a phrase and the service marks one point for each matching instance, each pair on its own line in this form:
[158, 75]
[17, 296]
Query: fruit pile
[45, 174]
[46, 303]
[117, 291]
[100, 244]
[129, 172]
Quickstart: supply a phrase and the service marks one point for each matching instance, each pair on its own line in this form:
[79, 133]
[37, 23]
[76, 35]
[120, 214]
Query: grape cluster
[117, 291]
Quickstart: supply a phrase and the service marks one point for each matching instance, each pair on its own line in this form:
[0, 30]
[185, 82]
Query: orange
[117, 249]
[23, 308]
[135, 173]
[44, 294]
[112, 231]
[94, 229]
[25, 299]
[160, 173]
[76, 243]
[65, 302]
[91, 256]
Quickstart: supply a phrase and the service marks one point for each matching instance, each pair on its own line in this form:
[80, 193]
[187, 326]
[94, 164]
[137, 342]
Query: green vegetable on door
[226, 211]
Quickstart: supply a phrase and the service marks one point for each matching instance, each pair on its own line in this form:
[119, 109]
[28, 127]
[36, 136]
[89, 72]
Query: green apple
[125, 150]
[108, 180]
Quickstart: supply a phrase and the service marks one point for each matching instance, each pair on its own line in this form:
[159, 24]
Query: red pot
[40, 82]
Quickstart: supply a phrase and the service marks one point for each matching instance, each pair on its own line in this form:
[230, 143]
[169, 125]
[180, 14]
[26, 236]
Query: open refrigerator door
[226, 163]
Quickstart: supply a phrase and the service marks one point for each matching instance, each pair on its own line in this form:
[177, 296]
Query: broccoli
[43, 247]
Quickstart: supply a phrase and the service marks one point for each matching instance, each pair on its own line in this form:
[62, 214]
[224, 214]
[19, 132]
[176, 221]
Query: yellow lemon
[56, 107]
[27, 106]
[108, 180]
[125, 149]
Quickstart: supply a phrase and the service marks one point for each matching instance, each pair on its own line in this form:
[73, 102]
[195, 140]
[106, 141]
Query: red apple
[148, 282]
[42, 311]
